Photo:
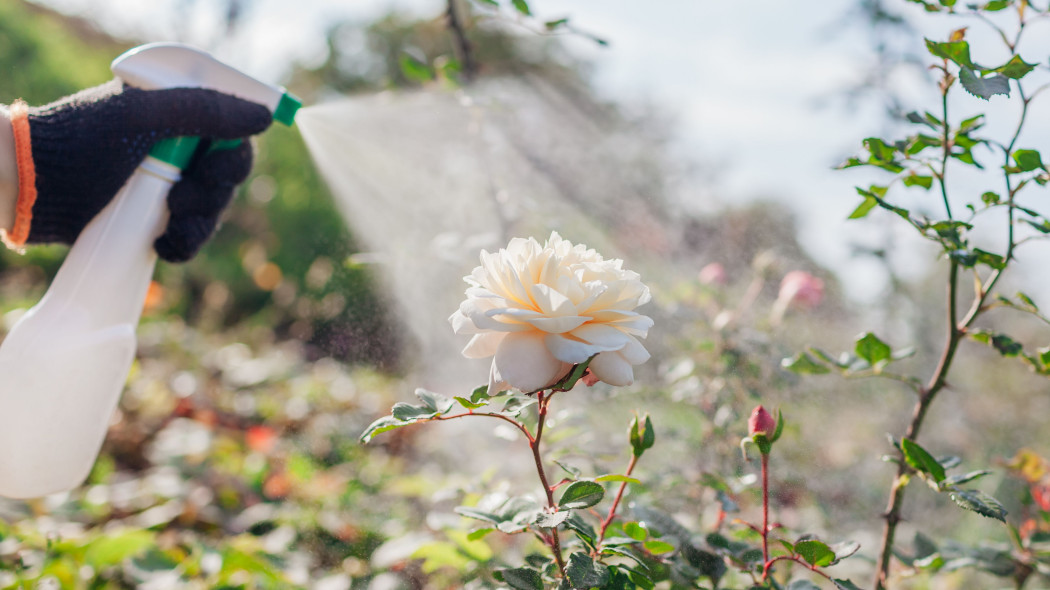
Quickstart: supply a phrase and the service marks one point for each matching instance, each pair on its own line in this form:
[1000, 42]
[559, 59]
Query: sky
[756, 96]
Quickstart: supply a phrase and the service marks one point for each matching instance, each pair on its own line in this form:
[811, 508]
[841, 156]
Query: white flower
[538, 310]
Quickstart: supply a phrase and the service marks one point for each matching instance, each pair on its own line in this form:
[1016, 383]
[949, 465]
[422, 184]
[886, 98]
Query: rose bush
[540, 309]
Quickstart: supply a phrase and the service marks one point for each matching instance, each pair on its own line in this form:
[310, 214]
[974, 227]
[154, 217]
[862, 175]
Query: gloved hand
[85, 147]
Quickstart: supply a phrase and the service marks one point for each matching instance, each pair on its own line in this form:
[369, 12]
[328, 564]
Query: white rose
[538, 310]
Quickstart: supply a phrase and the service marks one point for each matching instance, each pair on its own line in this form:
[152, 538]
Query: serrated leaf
[955, 51]
[1028, 160]
[380, 426]
[979, 502]
[584, 573]
[581, 494]
[409, 413]
[985, 88]
[816, 553]
[584, 531]
[522, 578]
[548, 520]
[804, 364]
[1016, 68]
[873, 350]
[434, 401]
[921, 460]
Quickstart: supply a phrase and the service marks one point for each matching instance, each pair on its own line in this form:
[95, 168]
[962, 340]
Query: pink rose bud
[802, 288]
[713, 274]
[761, 422]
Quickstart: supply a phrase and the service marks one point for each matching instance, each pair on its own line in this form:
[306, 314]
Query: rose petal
[634, 352]
[496, 382]
[524, 362]
[611, 368]
[557, 325]
[552, 302]
[602, 335]
[483, 345]
[570, 350]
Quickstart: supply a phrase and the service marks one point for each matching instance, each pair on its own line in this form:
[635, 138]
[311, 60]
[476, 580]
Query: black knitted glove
[85, 146]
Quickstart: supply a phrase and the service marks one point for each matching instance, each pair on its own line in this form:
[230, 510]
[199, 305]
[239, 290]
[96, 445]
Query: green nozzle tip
[286, 109]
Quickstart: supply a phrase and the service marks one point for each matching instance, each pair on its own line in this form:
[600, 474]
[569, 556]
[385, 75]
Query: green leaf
[1016, 68]
[1027, 301]
[572, 471]
[990, 198]
[409, 413]
[1028, 160]
[569, 381]
[478, 534]
[844, 584]
[434, 401]
[477, 514]
[991, 259]
[804, 364]
[584, 531]
[966, 478]
[815, 552]
[635, 531]
[879, 149]
[996, 5]
[616, 477]
[522, 6]
[873, 350]
[802, 585]
[658, 547]
[548, 520]
[955, 51]
[921, 460]
[522, 578]
[581, 494]
[983, 87]
[414, 69]
[864, 208]
[115, 547]
[925, 182]
[584, 574]
[979, 502]
[466, 403]
[554, 24]
[845, 549]
[642, 435]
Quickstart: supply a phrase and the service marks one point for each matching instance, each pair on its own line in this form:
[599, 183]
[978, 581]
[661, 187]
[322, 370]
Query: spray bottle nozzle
[286, 109]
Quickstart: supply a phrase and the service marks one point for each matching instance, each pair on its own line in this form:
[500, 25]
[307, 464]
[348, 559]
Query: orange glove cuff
[19, 113]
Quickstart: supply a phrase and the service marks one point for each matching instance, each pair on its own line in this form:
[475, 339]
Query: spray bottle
[64, 364]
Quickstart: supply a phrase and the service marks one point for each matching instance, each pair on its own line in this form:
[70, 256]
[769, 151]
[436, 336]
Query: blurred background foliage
[233, 461]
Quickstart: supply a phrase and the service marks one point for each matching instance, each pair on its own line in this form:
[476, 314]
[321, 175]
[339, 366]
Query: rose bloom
[802, 288]
[540, 309]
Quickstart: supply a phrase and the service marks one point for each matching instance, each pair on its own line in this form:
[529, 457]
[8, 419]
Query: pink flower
[761, 422]
[713, 274]
[802, 288]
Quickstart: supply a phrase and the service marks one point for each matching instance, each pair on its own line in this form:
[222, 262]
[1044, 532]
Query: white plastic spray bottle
[64, 364]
